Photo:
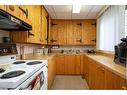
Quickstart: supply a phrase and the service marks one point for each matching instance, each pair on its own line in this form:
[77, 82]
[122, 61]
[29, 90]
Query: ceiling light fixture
[76, 8]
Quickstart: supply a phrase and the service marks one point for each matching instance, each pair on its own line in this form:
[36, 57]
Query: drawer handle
[124, 88]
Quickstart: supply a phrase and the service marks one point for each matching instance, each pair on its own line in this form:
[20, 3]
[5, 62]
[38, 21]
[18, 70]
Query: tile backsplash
[65, 48]
[27, 48]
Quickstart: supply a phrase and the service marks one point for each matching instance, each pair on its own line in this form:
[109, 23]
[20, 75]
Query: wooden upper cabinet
[70, 33]
[35, 18]
[3, 7]
[54, 32]
[89, 32]
[45, 26]
[13, 10]
[44, 30]
[77, 32]
[73, 32]
[58, 32]
[62, 33]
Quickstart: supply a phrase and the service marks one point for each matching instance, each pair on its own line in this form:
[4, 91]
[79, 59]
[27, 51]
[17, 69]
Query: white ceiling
[65, 11]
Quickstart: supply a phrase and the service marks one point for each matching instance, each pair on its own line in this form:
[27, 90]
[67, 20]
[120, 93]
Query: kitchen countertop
[106, 61]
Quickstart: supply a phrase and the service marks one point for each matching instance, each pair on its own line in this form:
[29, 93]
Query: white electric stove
[22, 74]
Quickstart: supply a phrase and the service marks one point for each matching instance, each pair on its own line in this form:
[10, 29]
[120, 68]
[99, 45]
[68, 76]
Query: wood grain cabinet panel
[58, 32]
[51, 71]
[44, 30]
[89, 32]
[60, 64]
[100, 78]
[70, 64]
[3, 7]
[13, 10]
[70, 33]
[35, 17]
[77, 64]
[45, 27]
[86, 64]
[77, 30]
[73, 32]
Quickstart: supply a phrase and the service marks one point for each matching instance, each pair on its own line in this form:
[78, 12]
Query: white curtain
[125, 22]
[110, 27]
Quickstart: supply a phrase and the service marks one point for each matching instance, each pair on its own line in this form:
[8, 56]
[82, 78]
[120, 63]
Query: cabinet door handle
[79, 40]
[11, 7]
[53, 40]
[124, 88]
[25, 11]
[93, 40]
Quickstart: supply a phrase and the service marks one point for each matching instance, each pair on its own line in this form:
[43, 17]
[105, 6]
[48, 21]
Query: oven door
[38, 82]
[35, 82]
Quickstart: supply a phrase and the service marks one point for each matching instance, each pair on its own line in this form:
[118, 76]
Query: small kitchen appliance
[120, 56]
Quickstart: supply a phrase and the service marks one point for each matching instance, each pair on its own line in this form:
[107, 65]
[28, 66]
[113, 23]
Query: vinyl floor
[69, 82]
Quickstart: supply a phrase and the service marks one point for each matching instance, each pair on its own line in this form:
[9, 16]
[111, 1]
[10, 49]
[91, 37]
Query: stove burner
[34, 62]
[19, 62]
[2, 70]
[12, 74]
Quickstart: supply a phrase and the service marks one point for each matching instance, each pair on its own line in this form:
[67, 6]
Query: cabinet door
[123, 84]
[82, 65]
[100, 78]
[3, 7]
[70, 33]
[62, 32]
[86, 68]
[92, 74]
[77, 64]
[51, 72]
[70, 64]
[58, 32]
[37, 23]
[60, 67]
[13, 10]
[24, 13]
[92, 33]
[35, 18]
[89, 32]
[114, 82]
[54, 37]
[44, 30]
[77, 30]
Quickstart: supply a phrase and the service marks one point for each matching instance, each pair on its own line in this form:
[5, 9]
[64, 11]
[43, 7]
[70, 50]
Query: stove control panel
[8, 49]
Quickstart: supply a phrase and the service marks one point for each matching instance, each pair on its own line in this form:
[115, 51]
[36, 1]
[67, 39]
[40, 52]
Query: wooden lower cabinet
[86, 67]
[60, 64]
[69, 64]
[51, 71]
[115, 82]
[100, 78]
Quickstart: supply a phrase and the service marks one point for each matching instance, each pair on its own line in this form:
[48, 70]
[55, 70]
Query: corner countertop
[108, 63]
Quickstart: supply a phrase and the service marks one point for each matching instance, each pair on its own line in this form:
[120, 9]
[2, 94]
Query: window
[126, 21]
[110, 27]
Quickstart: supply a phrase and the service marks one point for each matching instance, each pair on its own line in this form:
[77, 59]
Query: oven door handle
[25, 87]
[42, 79]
